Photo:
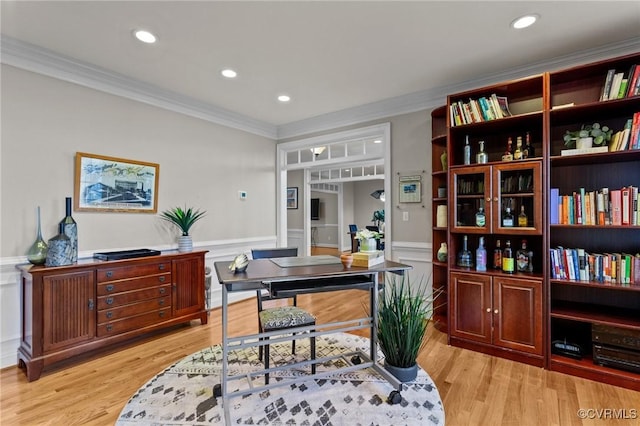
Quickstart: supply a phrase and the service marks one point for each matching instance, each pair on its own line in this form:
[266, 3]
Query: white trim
[46, 62]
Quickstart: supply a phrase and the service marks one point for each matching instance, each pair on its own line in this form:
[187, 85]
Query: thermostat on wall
[242, 195]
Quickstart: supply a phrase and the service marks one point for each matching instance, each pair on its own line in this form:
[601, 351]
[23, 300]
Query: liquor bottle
[497, 256]
[464, 257]
[508, 156]
[467, 151]
[481, 256]
[482, 157]
[70, 228]
[481, 219]
[507, 218]
[529, 150]
[522, 258]
[508, 265]
[517, 154]
[523, 220]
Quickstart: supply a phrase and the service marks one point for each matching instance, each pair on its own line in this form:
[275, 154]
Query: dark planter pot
[403, 374]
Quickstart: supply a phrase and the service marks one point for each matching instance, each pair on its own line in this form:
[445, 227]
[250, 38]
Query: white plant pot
[368, 245]
[185, 244]
[583, 143]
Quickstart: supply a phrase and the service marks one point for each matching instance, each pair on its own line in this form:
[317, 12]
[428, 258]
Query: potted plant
[378, 219]
[184, 220]
[404, 311]
[367, 239]
[599, 135]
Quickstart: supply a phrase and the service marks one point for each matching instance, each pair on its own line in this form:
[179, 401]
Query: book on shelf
[554, 194]
[634, 82]
[616, 205]
[504, 106]
[629, 90]
[615, 86]
[634, 142]
[623, 88]
[584, 151]
[614, 268]
[604, 96]
[625, 195]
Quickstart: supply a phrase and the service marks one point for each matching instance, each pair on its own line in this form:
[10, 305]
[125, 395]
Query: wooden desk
[309, 278]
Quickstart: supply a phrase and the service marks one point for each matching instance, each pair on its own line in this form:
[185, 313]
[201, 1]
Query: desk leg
[374, 327]
[220, 390]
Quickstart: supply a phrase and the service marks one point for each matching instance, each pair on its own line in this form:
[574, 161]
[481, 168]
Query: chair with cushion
[280, 317]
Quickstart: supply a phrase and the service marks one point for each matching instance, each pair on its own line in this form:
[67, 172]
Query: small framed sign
[292, 197]
[410, 189]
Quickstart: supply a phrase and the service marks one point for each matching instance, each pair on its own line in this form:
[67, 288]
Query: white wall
[45, 121]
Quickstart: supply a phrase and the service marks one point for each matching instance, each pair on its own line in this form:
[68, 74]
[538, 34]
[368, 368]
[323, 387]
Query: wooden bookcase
[439, 182]
[480, 304]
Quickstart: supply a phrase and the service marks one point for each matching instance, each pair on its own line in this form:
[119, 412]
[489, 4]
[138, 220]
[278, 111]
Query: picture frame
[111, 184]
[292, 197]
[410, 189]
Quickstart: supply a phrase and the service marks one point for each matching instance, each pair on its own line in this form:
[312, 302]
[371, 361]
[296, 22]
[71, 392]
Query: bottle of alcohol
[507, 218]
[508, 263]
[517, 154]
[508, 156]
[523, 220]
[467, 151]
[522, 258]
[481, 218]
[482, 157]
[497, 256]
[464, 256]
[529, 150]
[481, 256]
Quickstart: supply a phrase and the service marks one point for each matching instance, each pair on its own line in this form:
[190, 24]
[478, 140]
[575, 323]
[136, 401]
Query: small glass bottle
[481, 218]
[481, 256]
[37, 253]
[464, 256]
[497, 256]
[523, 220]
[507, 218]
[522, 258]
[517, 154]
[508, 156]
[467, 151]
[508, 263]
[482, 157]
[529, 150]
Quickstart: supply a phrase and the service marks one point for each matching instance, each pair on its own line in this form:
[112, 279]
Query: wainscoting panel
[417, 255]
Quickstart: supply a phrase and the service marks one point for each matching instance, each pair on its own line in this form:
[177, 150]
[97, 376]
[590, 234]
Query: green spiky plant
[183, 218]
[403, 316]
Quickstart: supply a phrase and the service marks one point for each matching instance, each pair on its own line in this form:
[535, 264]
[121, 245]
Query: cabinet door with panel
[470, 306]
[188, 286]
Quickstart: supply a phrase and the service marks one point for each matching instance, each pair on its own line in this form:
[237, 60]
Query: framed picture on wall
[410, 189]
[292, 197]
[110, 184]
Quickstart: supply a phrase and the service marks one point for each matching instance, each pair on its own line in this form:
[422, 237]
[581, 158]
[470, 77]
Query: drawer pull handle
[162, 279]
[109, 300]
[162, 290]
[91, 304]
[109, 327]
[110, 287]
[161, 302]
[161, 313]
[109, 314]
[109, 274]
[161, 266]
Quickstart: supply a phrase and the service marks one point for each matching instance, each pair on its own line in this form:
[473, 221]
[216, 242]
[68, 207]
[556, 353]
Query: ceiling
[328, 56]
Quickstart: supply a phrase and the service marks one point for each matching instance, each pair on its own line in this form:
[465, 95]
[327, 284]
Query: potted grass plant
[184, 220]
[404, 311]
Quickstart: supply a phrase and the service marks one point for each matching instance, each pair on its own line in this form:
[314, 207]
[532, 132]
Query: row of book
[618, 207]
[578, 265]
[479, 110]
[618, 85]
[629, 137]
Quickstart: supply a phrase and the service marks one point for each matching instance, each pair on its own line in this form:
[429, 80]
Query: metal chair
[281, 317]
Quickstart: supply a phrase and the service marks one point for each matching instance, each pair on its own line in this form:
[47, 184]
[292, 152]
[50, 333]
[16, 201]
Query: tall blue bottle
[70, 228]
[481, 256]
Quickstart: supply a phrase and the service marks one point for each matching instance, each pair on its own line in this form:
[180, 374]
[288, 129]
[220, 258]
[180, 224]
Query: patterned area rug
[183, 393]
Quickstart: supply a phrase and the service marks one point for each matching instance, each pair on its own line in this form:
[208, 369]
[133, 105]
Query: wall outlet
[405, 216]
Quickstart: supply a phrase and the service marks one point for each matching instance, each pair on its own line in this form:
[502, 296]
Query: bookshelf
[481, 314]
[439, 182]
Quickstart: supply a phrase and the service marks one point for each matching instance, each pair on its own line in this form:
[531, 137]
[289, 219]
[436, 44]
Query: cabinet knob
[109, 314]
[109, 327]
[488, 310]
[90, 305]
[161, 314]
[162, 279]
[495, 312]
[110, 287]
[109, 274]
[161, 302]
[488, 199]
[495, 199]
[162, 290]
[161, 266]
[109, 301]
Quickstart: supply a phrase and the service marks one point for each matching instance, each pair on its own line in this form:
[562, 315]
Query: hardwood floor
[476, 389]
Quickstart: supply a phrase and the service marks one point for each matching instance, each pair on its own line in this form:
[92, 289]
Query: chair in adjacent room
[280, 317]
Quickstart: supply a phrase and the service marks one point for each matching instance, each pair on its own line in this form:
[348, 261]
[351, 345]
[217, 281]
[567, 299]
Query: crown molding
[429, 99]
[46, 62]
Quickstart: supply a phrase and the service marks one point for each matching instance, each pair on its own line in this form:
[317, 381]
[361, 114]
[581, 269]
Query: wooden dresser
[71, 310]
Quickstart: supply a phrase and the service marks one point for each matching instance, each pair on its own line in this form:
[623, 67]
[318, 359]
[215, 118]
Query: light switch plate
[405, 216]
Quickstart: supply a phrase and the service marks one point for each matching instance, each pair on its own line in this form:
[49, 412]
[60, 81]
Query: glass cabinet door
[517, 198]
[472, 199]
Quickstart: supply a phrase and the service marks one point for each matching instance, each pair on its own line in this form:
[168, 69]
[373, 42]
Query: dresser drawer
[112, 287]
[132, 323]
[116, 300]
[133, 309]
[124, 272]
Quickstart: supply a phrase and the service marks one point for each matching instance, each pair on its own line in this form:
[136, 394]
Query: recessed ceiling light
[145, 36]
[524, 21]
[229, 73]
[284, 98]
